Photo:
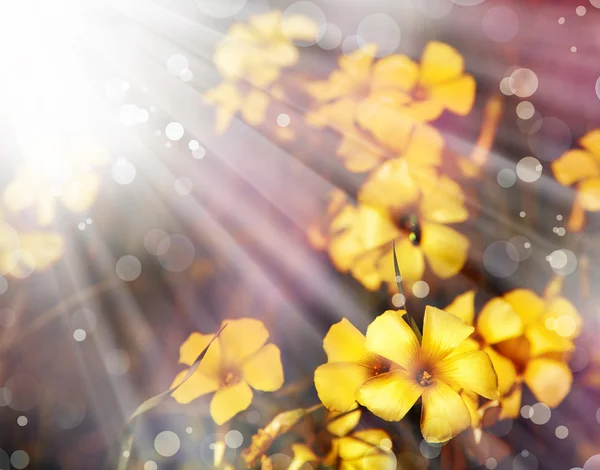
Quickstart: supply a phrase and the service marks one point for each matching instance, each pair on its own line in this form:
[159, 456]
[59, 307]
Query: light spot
[81, 226]
[398, 300]
[153, 239]
[123, 171]
[491, 463]
[193, 145]
[19, 459]
[580, 10]
[22, 420]
[593, 463]
[330, 36]
[526, 411]
[386, 444]
[561, 20]
[565, 326]
[189, 430]
[525, 110]
[561, 231]
[380, 29]
[308, 10]
[559, 217]
[420, 289]
[79, 335]
[177, 64]
[174, 131]
[522, 214]
[561, 432]
[88, 221]
[500, 24]
[506, 178]
[199, 153]
[569, 267]
[573, 48]
[550, 324]
[522, 248]
[540, 413]
[234, 439]
[499, 259]
[505, 87]
[529, 169]
[179, 254]
[166, 443]
[126, 454]
[128, 268]
[128, 115]
[150, 465]
[598, 86]
[429, 450]
[558, 259]
[187, 76]
[523, 82]
[283, 120]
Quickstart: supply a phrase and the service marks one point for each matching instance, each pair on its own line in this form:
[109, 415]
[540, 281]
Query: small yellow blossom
[581, 167]
[365, 449]
[250, 60]
[387, 97]
[526, 337]
[237, 361]
[69, 175]
[397, 202]
[433, 370]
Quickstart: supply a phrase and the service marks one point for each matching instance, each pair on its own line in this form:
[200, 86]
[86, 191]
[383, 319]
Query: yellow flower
[526, 338]
[366, 449]
[387, 97]
[581, 167]
[250, 60]
[23, 253]
[431, 370]
[68, 175]
[412, 207]
[236, 361]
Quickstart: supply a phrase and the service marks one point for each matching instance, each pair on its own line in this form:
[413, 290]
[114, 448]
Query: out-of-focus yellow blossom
[23, 253]
[526, 337]
[237, 361]
[250, 59]
[431, 370]
[410, 205]
[366, 449]
[581, 167]
[387, 97]
[63, 171]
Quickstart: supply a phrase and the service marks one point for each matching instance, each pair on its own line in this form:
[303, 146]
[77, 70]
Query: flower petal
[344, 343]
[80, 191]
[543, 340]
[471, 371]
[457, 96]
[391, 337]
[498, 321]
[574, 166]
[443, 202]
[388, 122]
[425, 146]
[505, 370]
[229, 401]
[359, 155]
[445, 249]
[254, 107]
[241, 338]
[363, 450]
[390, 186]
[302, 454]
[442, 333]
[444, 413]
[463, 307]
[196, 386]
[568, 320]
[511, 404]
[410, 258]
[395, 71]
[526, 303]
[589, 194]
[194, 345]
[344, 424]
[390, 395]
[591, 142]
[440, 63]
[337, 383]
[549, 380]
[263, 370]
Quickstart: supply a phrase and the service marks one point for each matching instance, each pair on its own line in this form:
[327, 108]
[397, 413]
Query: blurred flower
[526, 337]
[23, 253]
[431, 370]
[410, 205]
[66, 172]
[250, 60]
[387, 97]
[581, 167]
[366, 449]
[236, 361]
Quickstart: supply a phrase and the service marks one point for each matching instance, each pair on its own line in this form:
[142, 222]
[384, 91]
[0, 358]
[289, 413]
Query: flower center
[381, 368]
[419, 93]
[424, 378]
[410, 224]
[230, 377]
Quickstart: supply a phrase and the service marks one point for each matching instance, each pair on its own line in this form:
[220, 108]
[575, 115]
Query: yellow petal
[472, 402]
[511, 403]
[588, 194]
[443, 203]
[440, 63]
[263, 370]
[338, 115]
[574, 166]
[395, 71]
[254, 107]
[196, 386]
[266, 25]
[363, 450]
[549, 380]
[359, 155]
[80, 192]
[498, 321]
[342, 425]
[568, 321]
[463, 307]
[526, 303]
[391, 337]
[229, 60]
[457, 95]
[425, 147]
[444, 413]
[229, 401]
[344, 343]
[543, 340]
[423, 111]
[281, 54]
[591, 141]
[442, 333]
[471, 371]
[365, 270]
[337, 383]
[302, 454]
[391, 186]
[194, 345]
[446, 249]
[410, 258]
[42, 250]
[358, 63]
[390, 395]
[389, 123]
[299, 27]
[21, 192]
[263, 74]
[505, 370]
[241, 338]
